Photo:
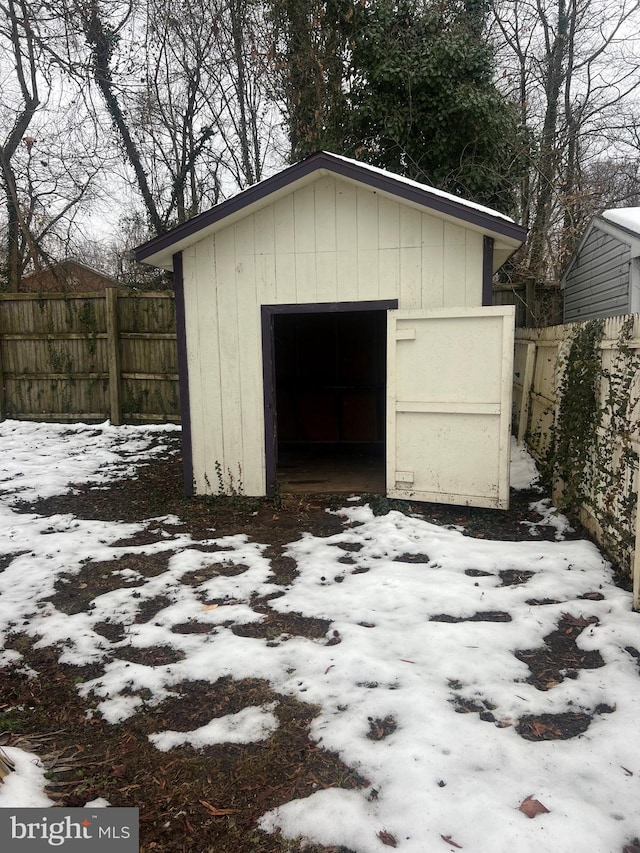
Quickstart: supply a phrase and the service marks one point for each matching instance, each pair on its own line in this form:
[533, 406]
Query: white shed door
[449, 405]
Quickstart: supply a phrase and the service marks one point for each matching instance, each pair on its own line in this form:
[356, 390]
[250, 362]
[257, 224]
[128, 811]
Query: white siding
[331, 241]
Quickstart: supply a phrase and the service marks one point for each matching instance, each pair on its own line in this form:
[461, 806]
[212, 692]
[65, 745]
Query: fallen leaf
[532, 807]
[215, 811]
[579, 621]
[542, 728]
[387, 838]
[450, 841]
[210, 606]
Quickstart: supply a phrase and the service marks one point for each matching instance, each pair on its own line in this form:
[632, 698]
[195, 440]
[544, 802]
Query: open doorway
[329, 398]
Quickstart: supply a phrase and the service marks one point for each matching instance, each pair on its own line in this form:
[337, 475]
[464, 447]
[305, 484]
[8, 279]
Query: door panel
[449, 405]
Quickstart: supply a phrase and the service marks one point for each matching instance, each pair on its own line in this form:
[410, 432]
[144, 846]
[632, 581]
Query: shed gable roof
[508, 235]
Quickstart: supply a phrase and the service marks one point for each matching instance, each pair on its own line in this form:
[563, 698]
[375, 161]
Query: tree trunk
[547, 159]
[101, 42]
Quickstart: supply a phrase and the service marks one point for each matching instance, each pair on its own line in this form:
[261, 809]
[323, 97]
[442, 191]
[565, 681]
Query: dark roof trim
[183, 373]
[487, 270]
[374, 178]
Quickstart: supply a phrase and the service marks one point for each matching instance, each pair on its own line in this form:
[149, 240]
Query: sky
[440, 780]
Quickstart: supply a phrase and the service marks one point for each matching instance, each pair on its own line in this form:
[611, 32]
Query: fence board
[95, 356]
[613, 519]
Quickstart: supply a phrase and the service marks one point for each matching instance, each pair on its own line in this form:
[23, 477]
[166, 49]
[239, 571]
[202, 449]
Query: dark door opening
[330, 397]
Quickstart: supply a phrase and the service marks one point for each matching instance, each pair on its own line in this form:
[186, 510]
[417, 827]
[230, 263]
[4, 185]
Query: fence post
[635, 563]
[2, 400]
[113, 355]
[527, 382]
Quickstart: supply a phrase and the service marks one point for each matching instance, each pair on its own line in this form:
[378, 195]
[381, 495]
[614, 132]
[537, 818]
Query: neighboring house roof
[67, 276]
[627, 217]
[507, 234]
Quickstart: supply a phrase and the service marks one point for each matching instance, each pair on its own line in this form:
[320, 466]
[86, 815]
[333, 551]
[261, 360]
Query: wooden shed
[603, 275]
[336, 334]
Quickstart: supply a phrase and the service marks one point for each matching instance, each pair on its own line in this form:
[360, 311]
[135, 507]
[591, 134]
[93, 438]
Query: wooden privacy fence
[89, 357]
[576, 404]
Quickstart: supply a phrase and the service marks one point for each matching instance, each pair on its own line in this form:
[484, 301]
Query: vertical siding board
[250, 464]
[283, 224]
[265, 247]
[266, 284]
[284, 265]
[347, 275]
[367, 243]
[304, 206]
[304, 226]
[388, 224]
[326, 274]
[474, 255]
[285, 275]
[411, 277]
[205, 365]
[229, 348]
[346, 241]
[306, 284]
[346, 217]
[389, 273]
[455, 270]
[325, 215]
[432, 262]
[410, 227]
[264, 230]
[410, 258]
[326, 271]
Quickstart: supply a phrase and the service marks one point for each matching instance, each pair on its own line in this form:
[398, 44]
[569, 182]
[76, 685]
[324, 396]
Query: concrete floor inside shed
[331, 469]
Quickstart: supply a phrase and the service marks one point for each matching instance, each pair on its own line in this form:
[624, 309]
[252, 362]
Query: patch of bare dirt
[560, 657]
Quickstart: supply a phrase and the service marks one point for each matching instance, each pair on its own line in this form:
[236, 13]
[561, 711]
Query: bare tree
[184, 86]
[22, 54]
[572, 68]
[51, 156]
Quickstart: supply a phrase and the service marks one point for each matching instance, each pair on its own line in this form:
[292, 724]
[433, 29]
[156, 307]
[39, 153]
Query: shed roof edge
[403, 188]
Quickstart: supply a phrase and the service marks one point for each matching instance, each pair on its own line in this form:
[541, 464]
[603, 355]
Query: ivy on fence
[592, 459]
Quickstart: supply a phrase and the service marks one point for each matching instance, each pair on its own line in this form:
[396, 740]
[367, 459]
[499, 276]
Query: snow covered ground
[438, 779]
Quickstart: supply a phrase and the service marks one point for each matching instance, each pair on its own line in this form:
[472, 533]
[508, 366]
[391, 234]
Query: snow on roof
[159, 251]
[425, 187]
[627, 217]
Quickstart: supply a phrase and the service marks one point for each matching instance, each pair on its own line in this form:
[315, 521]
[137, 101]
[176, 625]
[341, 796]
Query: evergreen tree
[423, 99]
[310, 71]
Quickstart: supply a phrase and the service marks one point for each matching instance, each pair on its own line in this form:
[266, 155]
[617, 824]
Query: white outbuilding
[336, 318]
